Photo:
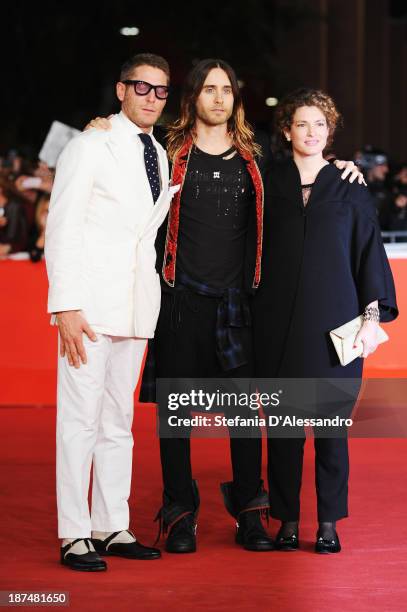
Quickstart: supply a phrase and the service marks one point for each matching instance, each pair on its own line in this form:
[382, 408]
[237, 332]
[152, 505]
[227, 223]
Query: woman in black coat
[323, 265]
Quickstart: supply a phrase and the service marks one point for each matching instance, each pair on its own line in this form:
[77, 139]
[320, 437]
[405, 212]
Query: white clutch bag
[344, 336]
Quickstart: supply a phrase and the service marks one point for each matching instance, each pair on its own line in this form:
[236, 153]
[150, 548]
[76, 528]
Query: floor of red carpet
[369, 574]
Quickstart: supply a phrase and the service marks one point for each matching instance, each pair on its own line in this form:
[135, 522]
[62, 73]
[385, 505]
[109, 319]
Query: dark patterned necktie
[151, 163]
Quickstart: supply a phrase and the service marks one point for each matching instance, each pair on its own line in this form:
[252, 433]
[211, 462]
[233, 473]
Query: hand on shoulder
[99, 123]
[350, 171]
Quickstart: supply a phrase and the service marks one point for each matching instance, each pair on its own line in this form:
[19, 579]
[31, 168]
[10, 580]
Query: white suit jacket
[101, 228]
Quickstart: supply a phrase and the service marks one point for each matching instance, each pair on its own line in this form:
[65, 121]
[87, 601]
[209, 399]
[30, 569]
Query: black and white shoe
[88, 561]
[128, 550]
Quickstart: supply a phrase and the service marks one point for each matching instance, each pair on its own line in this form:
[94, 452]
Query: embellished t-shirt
[215, 201]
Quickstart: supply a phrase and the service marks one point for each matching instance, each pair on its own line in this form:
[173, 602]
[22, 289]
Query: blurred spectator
[41, 179]
[33, 186]
[394, 218]
[13, 221]
[375, 166]
[37, 234]
[11, 164]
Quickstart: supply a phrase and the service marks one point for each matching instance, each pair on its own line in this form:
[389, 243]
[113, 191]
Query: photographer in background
[11, 165]
[375, 167]
[13, 221]
[36, 238]
[394, 216]
[41, 178]
[36, 188]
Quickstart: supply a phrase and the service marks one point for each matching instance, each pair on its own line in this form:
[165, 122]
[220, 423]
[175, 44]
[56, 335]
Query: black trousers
[185, 347]
[285, 463]
[333, 398]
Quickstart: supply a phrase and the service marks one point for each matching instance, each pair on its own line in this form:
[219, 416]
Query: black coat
[322, 264]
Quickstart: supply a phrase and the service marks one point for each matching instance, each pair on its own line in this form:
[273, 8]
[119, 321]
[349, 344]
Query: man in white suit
[109, 197]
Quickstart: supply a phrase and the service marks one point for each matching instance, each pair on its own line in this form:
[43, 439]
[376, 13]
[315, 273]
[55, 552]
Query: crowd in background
[388, 187]
[25, 188]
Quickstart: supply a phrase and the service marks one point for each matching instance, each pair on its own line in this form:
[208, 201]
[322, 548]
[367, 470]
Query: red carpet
[369, 574]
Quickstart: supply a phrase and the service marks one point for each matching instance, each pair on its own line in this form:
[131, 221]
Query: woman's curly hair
[285, 110]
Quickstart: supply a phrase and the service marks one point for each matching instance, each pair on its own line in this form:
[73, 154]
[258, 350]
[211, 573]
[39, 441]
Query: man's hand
[3, 221]
[42, 170]
[368, 337]
[350, 168]
[72, 325]
[100, 123]
[47, 183]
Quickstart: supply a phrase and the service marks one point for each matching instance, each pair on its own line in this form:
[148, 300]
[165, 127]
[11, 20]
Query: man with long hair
[210, 254]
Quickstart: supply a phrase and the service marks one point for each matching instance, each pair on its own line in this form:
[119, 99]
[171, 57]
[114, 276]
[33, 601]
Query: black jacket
[322, 264]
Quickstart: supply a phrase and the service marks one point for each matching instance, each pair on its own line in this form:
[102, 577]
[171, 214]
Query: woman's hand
[100, 123]
[350, 168]
[367, 336]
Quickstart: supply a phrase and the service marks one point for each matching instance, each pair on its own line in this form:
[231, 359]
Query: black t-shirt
[215, 202]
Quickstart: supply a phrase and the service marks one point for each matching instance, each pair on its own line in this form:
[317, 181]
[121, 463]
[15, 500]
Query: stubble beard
[136, 117]
[210, 121]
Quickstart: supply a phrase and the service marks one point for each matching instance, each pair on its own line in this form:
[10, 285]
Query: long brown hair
[240, 130]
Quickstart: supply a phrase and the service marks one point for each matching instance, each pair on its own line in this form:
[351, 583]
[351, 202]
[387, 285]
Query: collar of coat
[179, 170]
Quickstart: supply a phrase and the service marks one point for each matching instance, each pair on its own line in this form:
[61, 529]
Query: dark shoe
[88, 562]
[130, 550]
[179, 523]
[324, 546]
[250, 532]
[286, 542]
[182, 535]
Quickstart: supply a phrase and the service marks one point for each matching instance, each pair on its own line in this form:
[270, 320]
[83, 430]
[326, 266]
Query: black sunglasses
[142, 88]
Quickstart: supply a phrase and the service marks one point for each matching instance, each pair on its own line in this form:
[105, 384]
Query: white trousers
[94, 419]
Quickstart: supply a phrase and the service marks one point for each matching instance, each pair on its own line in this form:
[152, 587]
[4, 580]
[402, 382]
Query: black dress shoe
[182, 535]
[88, 562]
[128, 550]
[325, 546]
[286, 543]
[251, 534]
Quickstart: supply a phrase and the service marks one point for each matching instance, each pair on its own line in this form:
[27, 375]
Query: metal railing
[394, 236]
